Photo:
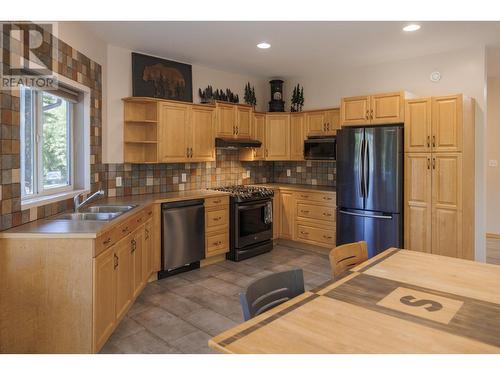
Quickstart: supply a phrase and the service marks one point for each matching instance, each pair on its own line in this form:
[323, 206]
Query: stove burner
[246, 192]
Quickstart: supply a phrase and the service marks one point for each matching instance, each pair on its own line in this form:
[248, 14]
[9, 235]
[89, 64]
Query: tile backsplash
[309, 172]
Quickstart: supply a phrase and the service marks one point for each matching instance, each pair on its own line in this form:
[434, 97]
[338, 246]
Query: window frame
[38, 189]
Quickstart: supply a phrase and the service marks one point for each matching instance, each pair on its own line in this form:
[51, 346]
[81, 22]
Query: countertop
[49, 228]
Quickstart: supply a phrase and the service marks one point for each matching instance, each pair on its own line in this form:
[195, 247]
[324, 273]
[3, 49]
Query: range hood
[234, 143]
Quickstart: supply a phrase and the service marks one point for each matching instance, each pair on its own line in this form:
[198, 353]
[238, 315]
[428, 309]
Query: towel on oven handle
[268, 213]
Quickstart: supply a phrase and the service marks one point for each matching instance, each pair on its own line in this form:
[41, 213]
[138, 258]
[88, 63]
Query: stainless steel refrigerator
[370, 186]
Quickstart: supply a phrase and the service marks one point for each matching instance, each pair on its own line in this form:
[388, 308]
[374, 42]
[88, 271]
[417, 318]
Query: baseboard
[212, 260]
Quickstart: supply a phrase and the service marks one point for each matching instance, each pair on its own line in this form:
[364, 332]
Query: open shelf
[136, 111]
[141, 152]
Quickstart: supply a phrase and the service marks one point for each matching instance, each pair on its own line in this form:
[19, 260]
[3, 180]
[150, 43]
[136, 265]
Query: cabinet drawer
[316, 235]
[216, 201]
[106, 239]
[216, 218]
[217, 243]
[317, 212]
[326, 198]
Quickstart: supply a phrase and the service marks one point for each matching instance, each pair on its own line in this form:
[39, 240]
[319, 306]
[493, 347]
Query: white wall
[119, 85]
[462, 71]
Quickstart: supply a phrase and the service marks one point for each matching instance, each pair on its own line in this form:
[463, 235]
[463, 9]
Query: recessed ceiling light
[411, 27]
[264, 45]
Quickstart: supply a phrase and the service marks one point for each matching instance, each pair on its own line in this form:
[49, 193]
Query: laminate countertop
[50, 228]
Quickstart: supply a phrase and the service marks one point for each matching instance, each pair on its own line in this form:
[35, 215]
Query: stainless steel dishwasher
[182, 236]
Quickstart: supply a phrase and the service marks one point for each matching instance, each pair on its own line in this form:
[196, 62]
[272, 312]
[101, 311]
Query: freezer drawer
[380, 231]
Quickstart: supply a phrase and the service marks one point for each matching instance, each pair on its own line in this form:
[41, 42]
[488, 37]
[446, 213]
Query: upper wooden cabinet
[322, 123]
[297, 135]
[166, 131]
[258, 132]
[386, 108]
[434, 124]
[233, 120]
[277, 136]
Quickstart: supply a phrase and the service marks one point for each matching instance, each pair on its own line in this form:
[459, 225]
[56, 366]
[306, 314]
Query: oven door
[250, 224]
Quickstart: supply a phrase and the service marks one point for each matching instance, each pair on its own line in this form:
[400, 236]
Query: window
[47, 157]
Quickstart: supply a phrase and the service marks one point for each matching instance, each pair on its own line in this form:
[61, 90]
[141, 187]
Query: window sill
[47, 199]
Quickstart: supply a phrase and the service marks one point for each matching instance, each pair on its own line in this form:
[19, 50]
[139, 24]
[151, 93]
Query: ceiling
[298, 48]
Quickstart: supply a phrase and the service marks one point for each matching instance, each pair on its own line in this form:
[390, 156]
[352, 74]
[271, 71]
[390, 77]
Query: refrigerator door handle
[370, 216]
[361, 168]
[366, 169]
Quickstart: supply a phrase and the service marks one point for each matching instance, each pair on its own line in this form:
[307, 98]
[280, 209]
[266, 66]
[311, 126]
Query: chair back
[270, 291]
[347, 256]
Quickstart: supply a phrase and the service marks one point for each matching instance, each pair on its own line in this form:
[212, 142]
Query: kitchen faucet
[76, 200]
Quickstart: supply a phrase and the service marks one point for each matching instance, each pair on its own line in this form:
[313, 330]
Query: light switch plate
[118, 181]
[183, 177]
[493, 163]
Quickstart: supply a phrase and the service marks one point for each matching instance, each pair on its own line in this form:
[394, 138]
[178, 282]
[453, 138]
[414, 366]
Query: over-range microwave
[320, 148]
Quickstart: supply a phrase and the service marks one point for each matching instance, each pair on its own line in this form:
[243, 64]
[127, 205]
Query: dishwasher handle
[180, 204]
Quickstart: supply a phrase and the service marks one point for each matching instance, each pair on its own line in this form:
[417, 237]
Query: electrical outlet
[183, 177]
[248, 173]
[493, 163]
[118, 181]
[288, 172]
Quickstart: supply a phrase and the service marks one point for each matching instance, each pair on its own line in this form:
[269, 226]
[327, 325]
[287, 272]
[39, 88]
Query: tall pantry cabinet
[439, 175]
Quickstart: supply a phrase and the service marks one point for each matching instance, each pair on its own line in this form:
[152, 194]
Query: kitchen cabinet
[216, 226]
[123, 275]
[439, 181]
[286, 215]
[322, 123]
[258, 132]
[136, 251]
[201, 131]
[174, 132]
[233, 120]
[148, 251]
[104, 296]
[378, 109]
[297, 136]
[418, 197]
[277, 137]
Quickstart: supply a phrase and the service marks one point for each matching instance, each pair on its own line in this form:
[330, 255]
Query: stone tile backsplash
[309, 172]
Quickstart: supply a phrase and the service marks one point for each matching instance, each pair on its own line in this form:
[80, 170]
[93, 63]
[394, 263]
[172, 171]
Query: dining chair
[347, 256]
[270, 291]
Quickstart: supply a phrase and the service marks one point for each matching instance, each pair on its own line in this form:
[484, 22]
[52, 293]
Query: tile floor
[179, 314]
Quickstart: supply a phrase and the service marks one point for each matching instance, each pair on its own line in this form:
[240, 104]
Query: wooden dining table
[399, 301]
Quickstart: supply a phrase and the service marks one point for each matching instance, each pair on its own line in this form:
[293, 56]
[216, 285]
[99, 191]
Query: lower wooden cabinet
[286, 215]
[216, 226]
[120, 273]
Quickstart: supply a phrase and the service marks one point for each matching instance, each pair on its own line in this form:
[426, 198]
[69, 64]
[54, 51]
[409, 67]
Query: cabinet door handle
[371, 114]
[428, 141]
[116, 261]
[134, 245]
[146, 236]
[367, 114]
[237, 130]
[428, 163]
[433, 163]
[187, 151]
[433, 141]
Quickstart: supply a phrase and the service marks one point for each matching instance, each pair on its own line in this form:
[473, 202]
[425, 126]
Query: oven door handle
[251, 207]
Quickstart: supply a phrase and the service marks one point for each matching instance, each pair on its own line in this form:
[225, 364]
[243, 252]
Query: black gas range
[251, 220]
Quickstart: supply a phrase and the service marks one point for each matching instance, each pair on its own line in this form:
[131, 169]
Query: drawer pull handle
[327, 237]
[326, 214]
[327, 198]
[105, 242]
[302, 232]
[139, 219]
[304, 196]
[217, 243]
[124, 230]
[304, 211]
[217, 218]
[217, 201]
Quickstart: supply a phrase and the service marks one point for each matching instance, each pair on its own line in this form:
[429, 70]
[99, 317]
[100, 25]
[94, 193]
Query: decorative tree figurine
[297, 99]
[249, 96]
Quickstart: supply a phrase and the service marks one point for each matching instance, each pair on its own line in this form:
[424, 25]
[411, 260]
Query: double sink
[96, 213]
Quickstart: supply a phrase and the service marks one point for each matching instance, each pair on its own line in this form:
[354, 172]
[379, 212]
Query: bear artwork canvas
[160, 78]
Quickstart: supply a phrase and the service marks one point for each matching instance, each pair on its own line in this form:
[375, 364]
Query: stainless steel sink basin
[88, 216]
[108, 208]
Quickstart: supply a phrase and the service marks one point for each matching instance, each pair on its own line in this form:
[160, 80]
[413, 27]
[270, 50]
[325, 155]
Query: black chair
[270, 291]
